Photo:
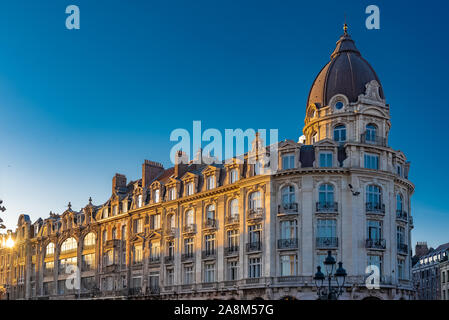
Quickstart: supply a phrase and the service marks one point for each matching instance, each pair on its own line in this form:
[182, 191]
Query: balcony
[187, 256]
[110, 268]
[255, 214]
[376, 208]
[234, 219]
[209, 254]
[402, 248]
[401, 215]
[169, 259]
[288, 208]
[154, 260]
[253, 246]
[374, 140]
[87, 267]
[379, 244]
[189, 228]
[153, 290]
[291, 243]
[170, 232]
[210, 224]
[231, 250]
[135, 291]
[114, 243]
[326, 207]
[326, 242]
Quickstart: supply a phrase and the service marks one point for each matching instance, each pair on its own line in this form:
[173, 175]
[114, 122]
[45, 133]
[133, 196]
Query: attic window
[157, 194]
[210, 182]
[339, 105]
[189, 190]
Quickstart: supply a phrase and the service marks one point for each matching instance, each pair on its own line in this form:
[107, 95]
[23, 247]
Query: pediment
[188, 175]
[326, 143]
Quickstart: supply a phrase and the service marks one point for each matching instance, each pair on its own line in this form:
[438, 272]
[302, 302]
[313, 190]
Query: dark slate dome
[346, 73]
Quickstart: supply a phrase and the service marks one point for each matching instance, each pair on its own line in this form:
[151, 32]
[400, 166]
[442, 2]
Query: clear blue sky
[78, 106]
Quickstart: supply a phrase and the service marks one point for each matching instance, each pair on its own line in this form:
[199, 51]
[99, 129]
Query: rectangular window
[136, 282]
[154, 280]
[288, 161]
[139, 201]
[401, 269]
[371, 161]
[326, 228]
[155, 221]
[137, 254]
[326, 159]
[138, 226]
[172, 194]
[233, 270]
[170, 276]
[188, 246]
[155, 251]
[171, 248]
[210, 182]
[233, 240]
[209, 243]
[188, 274]
[288, 229]
[400, 234]
[288, 265]
[254, 267]
[114, 210]
[88, 262]
[157, 195]
[254, 233]
[209, 272]
[374, 229]
[189, 189]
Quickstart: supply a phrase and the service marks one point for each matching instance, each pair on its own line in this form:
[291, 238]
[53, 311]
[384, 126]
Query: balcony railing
[327, 242]
[288, 208]
[378, 208]
[291, 243]
[169, 259]
[402, 248]
[170, 231]
[254, 246]
[110, 268]
[153, 290]
[232, 219]
[254, 214]
[187, 256]
[113, 243]
[326, 207]
[231, 250]
[189, 228]
[135, 291]
[375, 140]
[210, 223]
[211, 253]
[375, 244]
[154, 259]
[401, 215]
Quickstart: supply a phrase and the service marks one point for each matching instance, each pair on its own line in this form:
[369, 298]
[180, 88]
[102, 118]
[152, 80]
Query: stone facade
[236, 229]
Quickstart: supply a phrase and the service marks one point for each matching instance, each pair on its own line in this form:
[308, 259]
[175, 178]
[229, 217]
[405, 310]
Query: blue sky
[77, 106]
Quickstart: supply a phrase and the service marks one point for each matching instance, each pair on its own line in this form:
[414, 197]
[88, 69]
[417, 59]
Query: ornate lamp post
[330, 292]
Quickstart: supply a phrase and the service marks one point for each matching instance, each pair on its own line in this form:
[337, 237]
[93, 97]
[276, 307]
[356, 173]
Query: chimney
[421, 249]
[150, 170]
[118, 182]
[181, 161]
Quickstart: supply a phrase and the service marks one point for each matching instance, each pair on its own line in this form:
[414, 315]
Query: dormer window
[288, 161]
[371, 133]
[340, 133]
[210, 182]
[210, 212]
[157, 195]
[105, 212]
[125, 206]
[339, 105]
[234, 176]
[189, 189]
[115, 210]
[257, 168]
[139, 201]
[399, 170]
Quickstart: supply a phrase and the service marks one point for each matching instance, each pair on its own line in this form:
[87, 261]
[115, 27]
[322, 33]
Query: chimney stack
[150, 170]
[118, 182]
[181, 161]
[421, 249]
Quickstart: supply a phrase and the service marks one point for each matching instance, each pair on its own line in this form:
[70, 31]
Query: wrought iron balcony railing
[153, 290]
[327, 242]
[254, 246]
[401, 215]
[187, 256]
[288, 208]
[371, 139]
[169, 259]
[291, 243]
[402, 248]
[211, 253]
[255, 214]
[326, 207]
[375, 244]
[372, 207]
[232, 219]
[209, 223]
[154, 259]
[189, 228]
[231, 250]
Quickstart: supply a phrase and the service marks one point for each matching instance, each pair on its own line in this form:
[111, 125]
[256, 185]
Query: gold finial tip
[345, 28]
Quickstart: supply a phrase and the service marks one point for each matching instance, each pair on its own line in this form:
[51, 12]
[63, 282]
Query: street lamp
[330, 293]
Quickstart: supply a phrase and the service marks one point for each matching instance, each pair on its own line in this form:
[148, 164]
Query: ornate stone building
[198, 231]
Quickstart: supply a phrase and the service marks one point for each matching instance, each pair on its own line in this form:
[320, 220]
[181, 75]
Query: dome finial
[345, 27]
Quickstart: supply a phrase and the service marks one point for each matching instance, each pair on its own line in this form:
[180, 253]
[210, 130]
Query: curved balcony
[401, 216]
[326, 207]
[255, 214]
[375, 208]
[379, 244]
[374, 140]
[232, 219]
[210, 224]
[189, 228]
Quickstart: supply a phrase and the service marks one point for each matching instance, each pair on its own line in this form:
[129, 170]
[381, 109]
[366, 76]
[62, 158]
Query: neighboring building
[198, 231]
[444, 276]
[421, 249]
[427, 274]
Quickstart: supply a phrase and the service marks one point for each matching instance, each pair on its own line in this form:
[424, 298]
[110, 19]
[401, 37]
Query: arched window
[288, 197]
[189, 217]
[50, 249]
[89, 239]
[340, 133]
[371, 133]
[326, 195]
[254, 200]
[234, 175]
[373, 197]
[210, 212]
[234, 207]
[69, 245]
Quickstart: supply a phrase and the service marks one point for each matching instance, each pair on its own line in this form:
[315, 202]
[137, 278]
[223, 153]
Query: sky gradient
[77, 106]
